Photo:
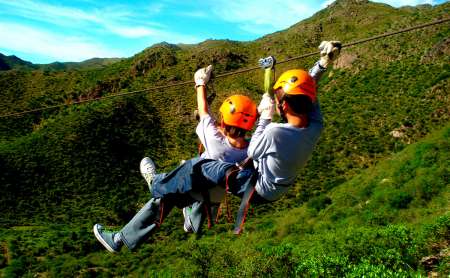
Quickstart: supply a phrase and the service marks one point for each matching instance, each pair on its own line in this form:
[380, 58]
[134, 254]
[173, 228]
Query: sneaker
[187, 221]
[148, 170]
[106, 238]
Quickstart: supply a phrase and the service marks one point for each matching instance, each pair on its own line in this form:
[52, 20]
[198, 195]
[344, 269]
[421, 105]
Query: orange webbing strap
[228, 208]
[162, 216]
[200, 148]
[234, 171]
[207, 207]
[244, 164]
[219, 212]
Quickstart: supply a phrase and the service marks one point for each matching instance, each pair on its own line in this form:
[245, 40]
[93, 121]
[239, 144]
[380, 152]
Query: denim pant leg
[151, 216]
[215, 171]
[143, 223]
[179, 180]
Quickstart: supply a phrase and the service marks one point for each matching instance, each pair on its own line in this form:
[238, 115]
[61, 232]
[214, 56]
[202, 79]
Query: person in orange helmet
[278, 150]
[225, 141]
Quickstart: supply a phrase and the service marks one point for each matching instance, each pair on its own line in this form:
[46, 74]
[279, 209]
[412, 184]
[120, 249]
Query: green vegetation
[357, 232]
[373, 200]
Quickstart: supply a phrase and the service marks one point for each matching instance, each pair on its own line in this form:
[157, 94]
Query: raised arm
[201, 78]
[329, 51]
[266, 110]
[202, 104]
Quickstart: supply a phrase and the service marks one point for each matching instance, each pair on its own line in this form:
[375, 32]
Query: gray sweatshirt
[280, 150]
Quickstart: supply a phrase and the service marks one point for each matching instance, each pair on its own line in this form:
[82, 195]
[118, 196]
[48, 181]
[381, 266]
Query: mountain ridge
[13, 62]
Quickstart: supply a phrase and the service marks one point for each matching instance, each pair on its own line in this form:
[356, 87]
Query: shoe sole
[102, 241]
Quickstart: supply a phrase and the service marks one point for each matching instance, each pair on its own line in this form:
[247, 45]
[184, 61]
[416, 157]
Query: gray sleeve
[260, 141]
[316, 71]
[316, 115]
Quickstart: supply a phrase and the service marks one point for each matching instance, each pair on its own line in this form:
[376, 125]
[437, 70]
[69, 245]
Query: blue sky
[44, 31]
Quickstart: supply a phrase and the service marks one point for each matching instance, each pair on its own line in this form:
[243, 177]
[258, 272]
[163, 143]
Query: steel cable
[182, 83]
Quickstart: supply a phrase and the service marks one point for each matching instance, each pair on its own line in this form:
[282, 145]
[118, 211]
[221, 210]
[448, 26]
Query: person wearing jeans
[278, 150]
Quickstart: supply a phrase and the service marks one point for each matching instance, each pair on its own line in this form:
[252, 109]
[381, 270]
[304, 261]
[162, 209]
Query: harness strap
[200, 148]
[243, 210]
[230, 177]
[207, 207]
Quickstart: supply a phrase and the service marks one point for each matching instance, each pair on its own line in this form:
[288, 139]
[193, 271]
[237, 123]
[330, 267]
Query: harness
[246, 191]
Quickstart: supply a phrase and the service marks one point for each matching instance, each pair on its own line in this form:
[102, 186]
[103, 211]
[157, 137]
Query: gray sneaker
[187, 221]
[148, 170]
[106, 238]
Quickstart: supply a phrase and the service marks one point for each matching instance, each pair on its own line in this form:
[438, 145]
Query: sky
[45, 31]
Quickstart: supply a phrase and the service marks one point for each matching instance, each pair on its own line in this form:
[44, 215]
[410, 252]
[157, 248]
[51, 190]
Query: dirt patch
[439, 50]
[345, 61]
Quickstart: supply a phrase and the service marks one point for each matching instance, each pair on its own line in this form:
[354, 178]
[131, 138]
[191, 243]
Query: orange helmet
[239, 111]
[297, 82]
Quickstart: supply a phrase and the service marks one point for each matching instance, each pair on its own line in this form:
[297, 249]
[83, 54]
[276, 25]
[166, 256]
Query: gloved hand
[202, 76]
[329, 51]
[266, 107]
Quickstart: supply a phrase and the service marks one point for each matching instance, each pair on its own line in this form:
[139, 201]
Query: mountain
[370, 201]
[13, 62]
[87, 64]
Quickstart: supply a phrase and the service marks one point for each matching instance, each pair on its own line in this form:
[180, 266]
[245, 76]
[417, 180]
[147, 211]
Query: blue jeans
[170, 190]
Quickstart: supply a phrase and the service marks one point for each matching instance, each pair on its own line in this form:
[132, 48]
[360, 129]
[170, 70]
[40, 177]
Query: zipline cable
[182, 83]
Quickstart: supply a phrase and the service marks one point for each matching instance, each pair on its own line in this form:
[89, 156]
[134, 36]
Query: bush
[319, 203]
[400, 200]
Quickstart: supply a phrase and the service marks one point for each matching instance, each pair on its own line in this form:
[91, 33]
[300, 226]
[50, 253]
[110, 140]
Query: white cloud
[47, 13]
[130, 32]
[132, 26]
[273, 15]
[118, 19]
[265, 16]
[34, 41]
[154, 35]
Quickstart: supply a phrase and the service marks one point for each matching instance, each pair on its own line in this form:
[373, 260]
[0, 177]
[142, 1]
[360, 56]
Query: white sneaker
[148, 170]
[187, 221]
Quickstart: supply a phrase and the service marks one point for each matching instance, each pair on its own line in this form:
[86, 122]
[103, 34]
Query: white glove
[266, 107]
[202, 75]
[329, 51]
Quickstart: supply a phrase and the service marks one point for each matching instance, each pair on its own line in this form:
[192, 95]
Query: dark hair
[234, 132]
[300, 104]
